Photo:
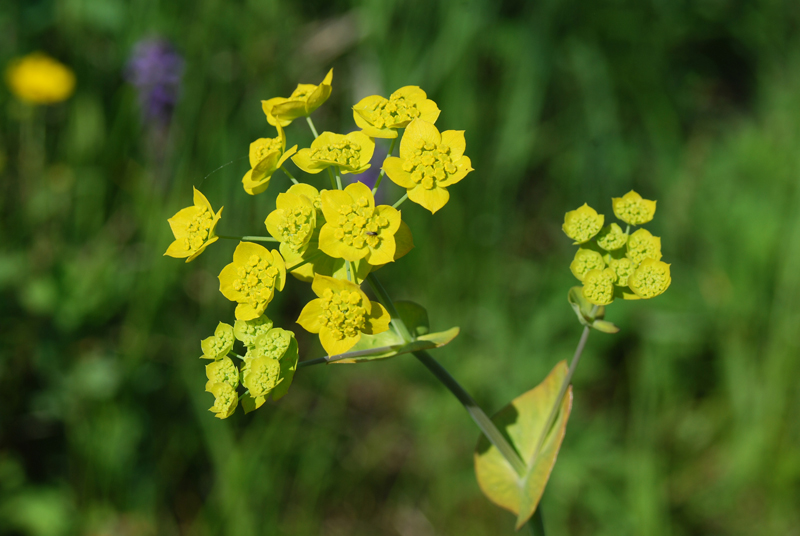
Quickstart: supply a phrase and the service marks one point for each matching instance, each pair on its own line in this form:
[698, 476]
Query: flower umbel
[193, 228]
[429, 162]
[351, 153]
[294, 219]
[650, 279]
[632, 209]
[39, 79]
[222, 371]
[355, 228]
[584, 261]
[252, 278]
[218, 345]
[582, 224]
[379, 117]
[267, 155]
[598, 286]
[304, 99]
[341, 314]
[226, 399]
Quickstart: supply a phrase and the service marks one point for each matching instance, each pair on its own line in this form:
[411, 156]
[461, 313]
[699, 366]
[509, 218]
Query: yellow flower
[261, 376]
[252, 278]
[218, 345]
[582, 224]
[294, 219]
[650, 279]
[271, 360]
[341, 314]
[598, 286]
[304, 99]
[428, 163]
[632, 209]
[248, 331]
[267, 155]
[612, 237]
[222, 371]
[226, 399]
[351, 152]
[193, 228]
[584, 261]
[622, 266]
[39, 79]
[379, 117]
[643, 245]
[355, 228]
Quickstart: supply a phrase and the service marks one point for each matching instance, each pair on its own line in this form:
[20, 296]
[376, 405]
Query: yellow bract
[598, 286]
[355, 228]
[582, 224]
[267, 155]
[252, 278]
[218, 345]
[351, 152]
[379, 117]
[39, 79]
[632, 209]
[226, 399]
[304, 99]
[193, 228]
[294, 219]
[341, 314]
[650, 279]
[428, 163]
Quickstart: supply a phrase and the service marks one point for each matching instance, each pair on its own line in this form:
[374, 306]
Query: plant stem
[564, 385]
[346, 355]
[291, 177]
[400, 201]
[383, 171]
[311, 125]
[348, 269]
[478, 415]
[250, 238]
[234, 354]
[333, 180]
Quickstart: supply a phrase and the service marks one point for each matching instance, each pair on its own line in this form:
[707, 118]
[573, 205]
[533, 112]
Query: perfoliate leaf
[522, 422]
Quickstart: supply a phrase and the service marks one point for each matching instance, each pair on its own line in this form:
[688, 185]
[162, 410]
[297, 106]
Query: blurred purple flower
[155, 69]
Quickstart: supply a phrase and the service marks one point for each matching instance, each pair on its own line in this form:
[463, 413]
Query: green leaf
[521, 422]
[390, 344]
[288, 366]
[583, 310]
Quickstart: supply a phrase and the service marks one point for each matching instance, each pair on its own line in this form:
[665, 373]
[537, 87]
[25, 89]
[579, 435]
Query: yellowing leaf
[522, 422]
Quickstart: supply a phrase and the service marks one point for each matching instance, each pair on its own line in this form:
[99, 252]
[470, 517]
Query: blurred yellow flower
[267, 155]
[584, 261]
[193, 228]
[304, 99]
[379, 117]
[351, 152]
[252, 278]
[429, 161]
[39, 79]
[341, 314]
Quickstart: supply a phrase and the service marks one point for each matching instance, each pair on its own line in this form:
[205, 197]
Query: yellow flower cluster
[39, 79]
[332, 238]
[612, 263]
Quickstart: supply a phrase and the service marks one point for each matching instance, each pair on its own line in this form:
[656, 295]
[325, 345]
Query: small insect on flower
[372, 233]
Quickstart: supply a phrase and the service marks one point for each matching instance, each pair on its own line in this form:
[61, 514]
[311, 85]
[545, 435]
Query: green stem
[346, 355]
[478, 415]
[333, 179]
[244, 394]
[536, 523]
[353, 272]
[250, 238]
[564, 385]
[383, 171]
[311, 125]
[234, 354]
[339, 179]
[348, 269]
[291, 177]
[400, 201]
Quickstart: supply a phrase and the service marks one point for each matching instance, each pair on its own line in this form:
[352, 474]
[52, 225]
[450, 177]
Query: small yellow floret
[598, 286]
[218, 345]
[632, 209]
[582, 223]
[304, 99]
[643, 245]
[379, 117]
[226, 399]
[193, 228]
[252, 279]
[261, 376]
[222, 371]
[39, 79]
[584, 261]
[622, 266]
[612, 237]
[650, 279]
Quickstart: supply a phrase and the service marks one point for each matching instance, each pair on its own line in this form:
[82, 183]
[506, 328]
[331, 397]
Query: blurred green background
[685, 423]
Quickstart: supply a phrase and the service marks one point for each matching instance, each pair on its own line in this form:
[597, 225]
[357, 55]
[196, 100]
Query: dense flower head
[248, 330]
[261, 375]
[650, 279]
[225, 399]
[193, 228]
[267, 155]
[584, 261]
[341, 314]
[355, 228]
[155, 69]
[622, 266]
[218, 345]
[304, 99]
[350, 152]
[39, 79]
[643, 245]
[222, 371]
[429, 162]
[252, 278]
[632, 209]
[582, 224]
[294, 219]
[272, 344]
[611, 237]
[380, 117]
[598, 286]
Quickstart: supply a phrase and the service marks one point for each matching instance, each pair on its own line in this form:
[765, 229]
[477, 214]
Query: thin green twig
[383, 171]
[250, 238]
[311, 125]
[401, 201]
